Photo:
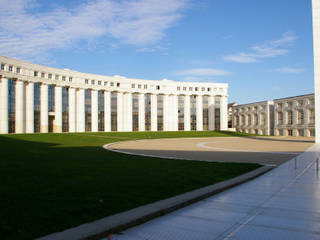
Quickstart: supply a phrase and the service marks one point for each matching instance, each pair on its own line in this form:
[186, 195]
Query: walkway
[282, 204]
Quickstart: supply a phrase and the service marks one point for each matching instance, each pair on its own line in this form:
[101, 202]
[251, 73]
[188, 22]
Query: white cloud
[269, 49]
[290, 70]
[25, 32]
[203, 72]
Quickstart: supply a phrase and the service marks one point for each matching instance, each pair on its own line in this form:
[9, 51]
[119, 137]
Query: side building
[295, 116]
[36, 98]
[254, 118]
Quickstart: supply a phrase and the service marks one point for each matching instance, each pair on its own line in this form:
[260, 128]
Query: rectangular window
[193, 113]
[49, 75]
[86, 81]
[105, 83]
[145, 86]
[184, 88]
[280, 117]
[160, 112]
[147, 101]
[290, 132]
[139, 85]
[70, 79]
[51, 106]
[63, 78]
[158, 87]
[112, 84]
[181, 99]
[300, 132]
[118, 84]
[290, 117]
[92, 82]
[100, 111]
[56, 77]
[205, 107]
[133, 85]
[311, 116]
[10, 68]
[203, 89]
[262, 117]
[17, 70]
[2, 66]
[300, 117]
[196, 89]
[11, 106]
[36, 100]
[114, 111]
[190, 89]
[35, 74]
[178, 88]
[65, 109]
[135, 112]
[99, 83]
[88, 107]
[43, 75]
[209, 89]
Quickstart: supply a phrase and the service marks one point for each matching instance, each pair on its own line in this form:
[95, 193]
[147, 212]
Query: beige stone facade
[294, 116]
[254, 118]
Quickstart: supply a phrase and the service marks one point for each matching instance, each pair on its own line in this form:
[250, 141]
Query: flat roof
[310, 94]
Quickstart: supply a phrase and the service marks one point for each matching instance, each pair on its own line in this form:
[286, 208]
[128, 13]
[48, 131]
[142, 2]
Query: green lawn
[51, 182]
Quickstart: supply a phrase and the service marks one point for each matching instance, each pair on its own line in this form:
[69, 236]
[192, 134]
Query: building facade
[35, 98]
[254, 118]
[294, 116]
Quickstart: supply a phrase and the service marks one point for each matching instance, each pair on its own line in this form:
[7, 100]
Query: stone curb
[121, 221]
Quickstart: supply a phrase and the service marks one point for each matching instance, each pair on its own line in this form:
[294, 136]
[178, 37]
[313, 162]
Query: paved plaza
[263, 150]
[282, 204]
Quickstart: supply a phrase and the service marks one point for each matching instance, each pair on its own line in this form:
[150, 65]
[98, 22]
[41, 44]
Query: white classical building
[254, 118]
[294, 116]
[35, 98]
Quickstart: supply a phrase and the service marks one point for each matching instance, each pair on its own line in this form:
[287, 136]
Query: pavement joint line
[204, 145]
[259, 209]
[121, 221]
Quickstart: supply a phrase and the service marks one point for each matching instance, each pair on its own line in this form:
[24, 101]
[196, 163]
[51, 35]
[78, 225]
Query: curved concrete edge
[121, 221]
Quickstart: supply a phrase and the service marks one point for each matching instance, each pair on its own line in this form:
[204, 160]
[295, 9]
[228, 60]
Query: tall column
[4, 124]
[199, 110]
[154, 112]
[175, 113]
[30, 107]
[107, 111]
[44, 114]
[141, 112]
[80, 110]
[316, 54]
[211, 113]
[127, 112]
[165, 113]
[57, 127]
[94, 111]
[224, 113]
[120, 111]
[19, 108]
[72, 109]
[187, 116]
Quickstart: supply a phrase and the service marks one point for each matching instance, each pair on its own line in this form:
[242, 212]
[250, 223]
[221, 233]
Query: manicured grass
[51, 182]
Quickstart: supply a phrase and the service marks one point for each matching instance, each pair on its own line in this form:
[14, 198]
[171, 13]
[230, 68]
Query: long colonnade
[35, 98]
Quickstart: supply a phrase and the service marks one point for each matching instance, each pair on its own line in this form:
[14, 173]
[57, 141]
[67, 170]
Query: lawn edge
[121, 221]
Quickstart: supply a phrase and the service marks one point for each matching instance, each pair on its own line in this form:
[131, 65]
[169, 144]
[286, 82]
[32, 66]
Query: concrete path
[282, 204]
[263, 150]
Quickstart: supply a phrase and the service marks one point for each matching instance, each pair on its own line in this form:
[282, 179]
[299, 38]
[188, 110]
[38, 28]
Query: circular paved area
[264, 150]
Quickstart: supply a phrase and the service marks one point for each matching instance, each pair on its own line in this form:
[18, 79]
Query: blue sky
[262, 48]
